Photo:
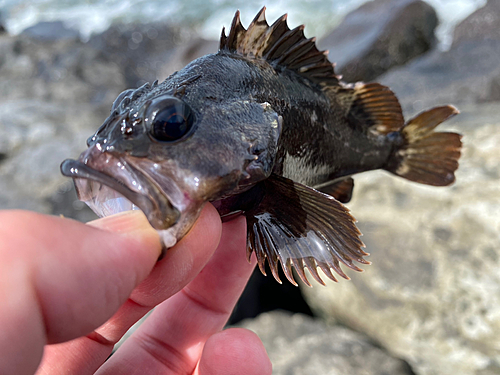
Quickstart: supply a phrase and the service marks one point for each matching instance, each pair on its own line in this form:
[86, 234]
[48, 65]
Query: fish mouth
[107, 195]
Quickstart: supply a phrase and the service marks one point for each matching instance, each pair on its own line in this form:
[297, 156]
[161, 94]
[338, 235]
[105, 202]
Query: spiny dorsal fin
[279, 46]
[369, 105]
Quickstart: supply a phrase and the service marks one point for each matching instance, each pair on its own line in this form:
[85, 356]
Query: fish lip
[158, 209]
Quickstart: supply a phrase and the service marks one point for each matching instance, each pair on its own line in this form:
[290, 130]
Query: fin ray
[369, 105]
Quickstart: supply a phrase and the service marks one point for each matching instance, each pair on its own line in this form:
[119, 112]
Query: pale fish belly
[301, 170]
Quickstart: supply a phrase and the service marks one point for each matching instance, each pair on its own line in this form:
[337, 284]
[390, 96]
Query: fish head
[168, 148]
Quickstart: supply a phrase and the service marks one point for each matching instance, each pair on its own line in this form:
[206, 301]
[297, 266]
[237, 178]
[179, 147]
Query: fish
[263, 128]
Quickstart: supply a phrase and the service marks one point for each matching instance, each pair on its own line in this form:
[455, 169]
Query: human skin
[70, 291]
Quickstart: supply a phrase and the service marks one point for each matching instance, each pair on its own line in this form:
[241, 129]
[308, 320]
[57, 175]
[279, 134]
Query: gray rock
[151, 51]
[2, 24]
[482, 24]
[140, 49]
[53, 30]
[63, 71]
[188, 52]
[35, 137]
[431, 294]
[53, 95]
[468, 73]
[380, 35]
[298, 344]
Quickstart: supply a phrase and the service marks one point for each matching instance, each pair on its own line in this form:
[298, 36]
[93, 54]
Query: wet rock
[2, 24]
[53, 30]
[141, 49]
[54, 93]
[298, 344]
[380, 35]
[63, 71]
[431, 295]
[482, 24]
[35, 136]
[468, 73]
[188, 52]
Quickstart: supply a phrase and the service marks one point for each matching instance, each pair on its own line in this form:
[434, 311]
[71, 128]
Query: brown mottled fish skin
[254, 129]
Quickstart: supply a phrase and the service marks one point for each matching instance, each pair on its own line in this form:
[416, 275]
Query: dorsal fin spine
[299, 50]
[223, 39]
[236, 29]
[260, 17]
[290, 37]
[272, 34]
[255, 30]
[308, 60]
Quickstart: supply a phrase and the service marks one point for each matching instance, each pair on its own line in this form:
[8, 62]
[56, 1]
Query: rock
[298, 344]
[2, 24]
[184, 54]
[53, 95]
[54, 30]
[380, 35]
[482, 24]
[35, 136]
[151, 51]
[141, 49]
[431, 295]
[468, 73]
[64, 71]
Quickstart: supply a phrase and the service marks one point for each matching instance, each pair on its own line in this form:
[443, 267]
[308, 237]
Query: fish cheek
[263, 149]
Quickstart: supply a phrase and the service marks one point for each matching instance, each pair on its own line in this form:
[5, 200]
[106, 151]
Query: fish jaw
[110, 184]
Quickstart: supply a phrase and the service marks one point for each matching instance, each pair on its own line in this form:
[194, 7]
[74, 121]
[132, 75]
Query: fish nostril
[90, 141]
[128, 130]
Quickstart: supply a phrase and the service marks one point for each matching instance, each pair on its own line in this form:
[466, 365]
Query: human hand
[79, 288]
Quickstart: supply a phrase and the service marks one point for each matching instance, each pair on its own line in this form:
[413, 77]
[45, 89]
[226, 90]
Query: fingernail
[131, 223]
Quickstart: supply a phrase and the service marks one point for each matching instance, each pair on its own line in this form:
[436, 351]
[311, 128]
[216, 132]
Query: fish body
[266, 129]
[317, 144]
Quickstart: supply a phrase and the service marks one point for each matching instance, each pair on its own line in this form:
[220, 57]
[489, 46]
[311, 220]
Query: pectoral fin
[304, 228]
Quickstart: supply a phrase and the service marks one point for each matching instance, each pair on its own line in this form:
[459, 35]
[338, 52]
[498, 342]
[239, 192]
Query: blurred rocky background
[429, 303]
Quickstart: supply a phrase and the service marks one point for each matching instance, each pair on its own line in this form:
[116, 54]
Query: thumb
[80, 274]
[61, 279]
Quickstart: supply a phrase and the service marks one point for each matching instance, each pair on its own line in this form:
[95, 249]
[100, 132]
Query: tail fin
[427, 156]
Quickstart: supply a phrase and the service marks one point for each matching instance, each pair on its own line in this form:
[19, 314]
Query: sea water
[208, 16]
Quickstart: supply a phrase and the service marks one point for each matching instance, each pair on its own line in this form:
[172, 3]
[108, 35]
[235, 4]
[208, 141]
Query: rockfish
[266, 129]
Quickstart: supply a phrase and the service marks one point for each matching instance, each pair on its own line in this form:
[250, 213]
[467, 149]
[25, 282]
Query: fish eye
[173, 121]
